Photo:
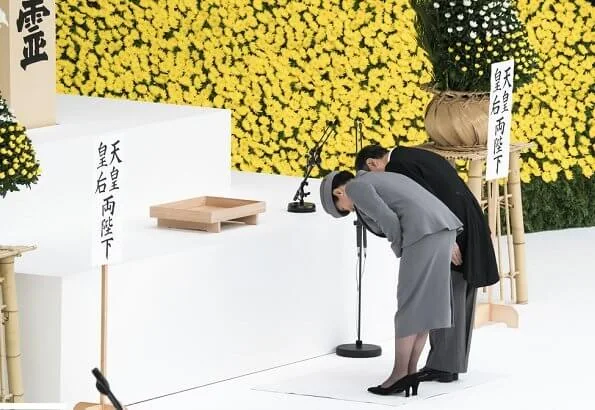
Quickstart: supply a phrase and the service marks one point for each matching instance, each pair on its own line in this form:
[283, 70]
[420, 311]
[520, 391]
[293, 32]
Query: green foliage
[560, 204]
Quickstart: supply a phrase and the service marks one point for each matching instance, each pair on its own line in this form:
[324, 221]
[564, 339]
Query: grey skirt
[424, 292]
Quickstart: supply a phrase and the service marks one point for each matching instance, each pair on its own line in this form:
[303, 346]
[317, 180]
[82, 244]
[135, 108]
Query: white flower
[485, 25]
[492, 5]
[466, 3]
[505, 4]
[486, 18]
[3, 19]
[482, 13]
[492, 15]
[473, 34]
[459, 28]
[447, 15]
[495, 32]
[473, 24]
[450, 29]
[502, 22]
[460, 17]
[504, 29]
[436, 5]
[470, 11]
[511, 27]
[452, 4]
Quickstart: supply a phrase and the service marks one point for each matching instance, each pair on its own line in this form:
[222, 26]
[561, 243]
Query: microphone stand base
[299, 208]
[359, 350]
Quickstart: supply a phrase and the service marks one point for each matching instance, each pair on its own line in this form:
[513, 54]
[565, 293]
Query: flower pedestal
[458, 120]
[11, 390]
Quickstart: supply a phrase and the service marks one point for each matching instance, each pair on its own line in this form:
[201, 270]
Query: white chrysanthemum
[504, 29]
[484, 25]
[470, 11]
[482, 13]
[492, 15]
[450, 30]
[436, 5]
[459, 28]
[506, 4]
[492, 5]
[460, 16]
[447, 15]
[466, 3]
[452, 4]
[495, 32]
[487, 18]
[473, 35]
[473, 24]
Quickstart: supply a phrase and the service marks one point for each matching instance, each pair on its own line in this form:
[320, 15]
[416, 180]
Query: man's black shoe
[429, 375]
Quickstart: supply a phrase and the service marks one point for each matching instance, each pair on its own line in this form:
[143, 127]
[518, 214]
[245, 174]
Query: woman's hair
[341, 179]
[366, 153]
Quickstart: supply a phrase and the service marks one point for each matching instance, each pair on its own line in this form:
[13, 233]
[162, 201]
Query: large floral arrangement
[286, 67]
[18, 166]
[463, 37]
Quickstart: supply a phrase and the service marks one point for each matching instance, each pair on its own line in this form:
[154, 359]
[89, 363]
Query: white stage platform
[172, 152]
[186, 308]
[526, 365]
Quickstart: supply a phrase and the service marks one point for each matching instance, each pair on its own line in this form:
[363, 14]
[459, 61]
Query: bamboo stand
[103, 349]
[11, 376]
[496, 309]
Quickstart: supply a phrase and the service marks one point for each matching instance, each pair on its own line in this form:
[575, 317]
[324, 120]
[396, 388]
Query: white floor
[546, 364]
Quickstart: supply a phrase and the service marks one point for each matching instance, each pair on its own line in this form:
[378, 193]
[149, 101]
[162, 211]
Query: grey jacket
[399, 207]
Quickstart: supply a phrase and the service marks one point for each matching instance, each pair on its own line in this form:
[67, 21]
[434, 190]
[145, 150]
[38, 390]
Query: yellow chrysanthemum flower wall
[286, 67]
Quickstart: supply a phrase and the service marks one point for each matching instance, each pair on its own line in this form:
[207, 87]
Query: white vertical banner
[500, 118]
[109, 167]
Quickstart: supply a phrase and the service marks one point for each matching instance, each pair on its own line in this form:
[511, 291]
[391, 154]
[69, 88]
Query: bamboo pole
[492, 207]
[518, 228]
[4, 388]
[13, 342]
[475, 177]
[511, 265]
[474, 183]
[499, 235]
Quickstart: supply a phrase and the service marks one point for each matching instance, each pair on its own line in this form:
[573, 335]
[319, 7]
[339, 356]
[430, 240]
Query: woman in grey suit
[422, 232]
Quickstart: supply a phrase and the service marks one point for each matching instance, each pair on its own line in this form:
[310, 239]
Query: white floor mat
[349, 382]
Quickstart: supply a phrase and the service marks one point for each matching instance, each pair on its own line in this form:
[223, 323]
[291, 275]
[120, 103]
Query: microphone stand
[359, 349]
[298, 205]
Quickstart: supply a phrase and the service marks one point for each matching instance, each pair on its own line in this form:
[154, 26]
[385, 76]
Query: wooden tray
[206, 213]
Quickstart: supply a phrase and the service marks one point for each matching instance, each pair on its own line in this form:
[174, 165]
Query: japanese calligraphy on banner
[502, 76]
[107, 226]
[28, 60]
[31, 16]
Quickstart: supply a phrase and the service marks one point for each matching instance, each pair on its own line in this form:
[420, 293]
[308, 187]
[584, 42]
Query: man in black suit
[474, 263]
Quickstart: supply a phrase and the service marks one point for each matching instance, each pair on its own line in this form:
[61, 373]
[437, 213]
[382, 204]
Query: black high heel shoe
[407, 383]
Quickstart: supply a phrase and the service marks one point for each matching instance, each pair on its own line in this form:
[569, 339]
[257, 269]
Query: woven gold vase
[458, 119]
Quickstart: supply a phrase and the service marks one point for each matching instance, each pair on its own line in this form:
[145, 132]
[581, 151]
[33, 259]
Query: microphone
[103, 388]
[298, 205]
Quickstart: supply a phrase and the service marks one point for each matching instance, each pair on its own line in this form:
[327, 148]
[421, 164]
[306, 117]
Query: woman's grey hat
[326, 196]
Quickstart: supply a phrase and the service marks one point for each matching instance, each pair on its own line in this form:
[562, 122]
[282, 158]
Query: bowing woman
[475, 265]
[421, 231]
